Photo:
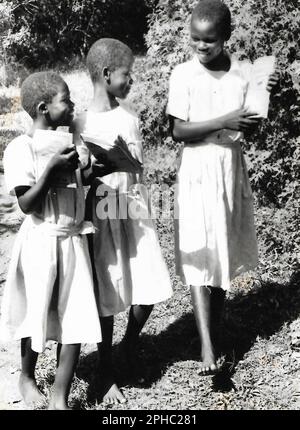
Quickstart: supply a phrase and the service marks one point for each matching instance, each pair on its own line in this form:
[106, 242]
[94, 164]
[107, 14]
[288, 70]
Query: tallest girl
[216, 235]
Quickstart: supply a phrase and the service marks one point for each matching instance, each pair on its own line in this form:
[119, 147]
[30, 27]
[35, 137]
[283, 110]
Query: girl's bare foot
[29, 390]
[112, 395]
[210, 369]
[58, 406]
[209, 363]
[109, 390]
[211, 366]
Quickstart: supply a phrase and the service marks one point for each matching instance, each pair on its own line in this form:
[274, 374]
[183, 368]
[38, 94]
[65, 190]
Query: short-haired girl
[49, 288]
[129, 266]
[215, 236]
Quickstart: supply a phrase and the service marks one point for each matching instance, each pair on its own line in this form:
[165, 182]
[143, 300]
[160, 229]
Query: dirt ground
[280, 381]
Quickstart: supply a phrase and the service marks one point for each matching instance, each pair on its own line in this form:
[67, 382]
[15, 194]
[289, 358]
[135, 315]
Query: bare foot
[29, 390]
[211, 366]
[58, 406]
[113, 395]
[209, 363]
[205, 370]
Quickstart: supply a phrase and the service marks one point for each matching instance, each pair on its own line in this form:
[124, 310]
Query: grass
[262, 310]
[261, 370]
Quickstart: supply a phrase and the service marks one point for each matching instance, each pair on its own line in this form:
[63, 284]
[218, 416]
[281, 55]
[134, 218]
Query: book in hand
[46, 143]
[257, 97]
[113, 151]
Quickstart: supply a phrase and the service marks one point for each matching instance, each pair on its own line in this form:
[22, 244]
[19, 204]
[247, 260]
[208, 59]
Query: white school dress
[49, 287]
[215, 233]
[129, 265]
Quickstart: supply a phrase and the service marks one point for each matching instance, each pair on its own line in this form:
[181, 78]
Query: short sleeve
[136, 130]
[76, 128]
[135, 140]
[18, 164]
[178, 100]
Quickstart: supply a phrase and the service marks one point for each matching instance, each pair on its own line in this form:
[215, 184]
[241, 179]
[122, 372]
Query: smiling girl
[129, 269]
[49, 287]
[215, 233]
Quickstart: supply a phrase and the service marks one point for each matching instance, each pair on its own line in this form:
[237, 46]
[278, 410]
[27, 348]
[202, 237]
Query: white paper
[46, 143]
[257, 97]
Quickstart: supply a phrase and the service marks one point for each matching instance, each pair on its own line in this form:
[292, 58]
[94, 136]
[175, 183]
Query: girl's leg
[105, 347]
[111, 392]
[138, 316]
[217, 306]
[27, 383]
[207, 304]
[67, 360]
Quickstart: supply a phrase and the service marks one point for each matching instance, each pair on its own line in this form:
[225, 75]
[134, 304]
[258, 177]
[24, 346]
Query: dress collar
[234, 65]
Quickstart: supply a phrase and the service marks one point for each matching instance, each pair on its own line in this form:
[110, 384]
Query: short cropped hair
[39, 87]
[106, 52]
[214, 11]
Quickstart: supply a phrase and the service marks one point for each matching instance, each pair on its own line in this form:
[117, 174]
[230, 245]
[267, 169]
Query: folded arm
[239, 120]
[30, 198]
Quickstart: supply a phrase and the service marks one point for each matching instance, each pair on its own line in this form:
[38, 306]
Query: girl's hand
[240, 120]
[122, 143]
[102, 167]
[134, 165]
[273, 80]
[65, 159]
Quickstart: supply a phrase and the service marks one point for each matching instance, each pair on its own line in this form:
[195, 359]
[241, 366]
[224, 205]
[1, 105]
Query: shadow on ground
[261, 312]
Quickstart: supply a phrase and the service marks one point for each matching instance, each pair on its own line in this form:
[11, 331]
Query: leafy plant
[42, 33]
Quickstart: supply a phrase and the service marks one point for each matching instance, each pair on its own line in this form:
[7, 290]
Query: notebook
[46, 143]
[257, 97]
[113, 151]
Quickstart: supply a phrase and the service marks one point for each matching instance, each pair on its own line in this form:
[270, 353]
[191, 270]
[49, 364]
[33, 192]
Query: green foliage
[5, 23]
[260, 28]
[42, 33]
[5, 26]
[6, 136]
[161, 165]
[278, 240]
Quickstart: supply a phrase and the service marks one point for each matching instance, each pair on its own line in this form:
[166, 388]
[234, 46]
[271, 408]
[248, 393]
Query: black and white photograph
[149, 207]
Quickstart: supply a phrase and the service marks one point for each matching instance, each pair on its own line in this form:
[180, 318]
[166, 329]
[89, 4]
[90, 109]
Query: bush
[6, 136]
[42, 33]
[278, 240]
[261, 28]
[6, 22]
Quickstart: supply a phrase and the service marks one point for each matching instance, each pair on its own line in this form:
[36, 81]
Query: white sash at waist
[85, 227]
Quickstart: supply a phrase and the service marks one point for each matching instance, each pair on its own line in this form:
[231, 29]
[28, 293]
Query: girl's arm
[239, 120]
[30, 198]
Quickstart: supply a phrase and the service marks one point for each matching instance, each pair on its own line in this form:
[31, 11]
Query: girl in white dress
[49, 288]
[129, 267]
[215, 234]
